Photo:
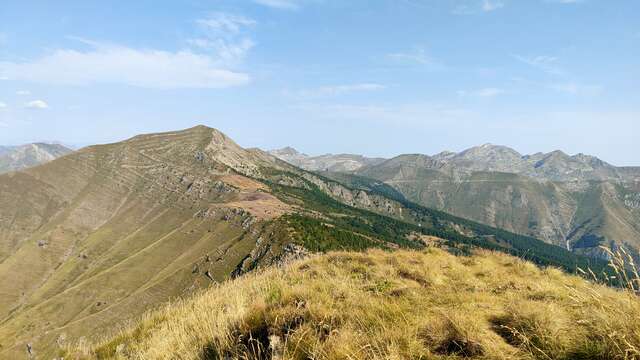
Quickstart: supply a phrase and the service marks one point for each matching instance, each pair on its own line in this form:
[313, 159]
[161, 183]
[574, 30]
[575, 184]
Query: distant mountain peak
[488, 147]
[558, 153]
[444, 155]
[287, 150]
[326, 162]
[13, 158]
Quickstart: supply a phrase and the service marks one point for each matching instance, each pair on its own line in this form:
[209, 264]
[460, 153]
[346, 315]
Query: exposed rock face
[14, 158]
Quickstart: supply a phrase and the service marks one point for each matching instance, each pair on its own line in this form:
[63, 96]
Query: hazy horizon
[78, 146]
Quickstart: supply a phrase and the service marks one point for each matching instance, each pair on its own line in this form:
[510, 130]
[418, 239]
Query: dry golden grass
[390, 305]
[626, 271]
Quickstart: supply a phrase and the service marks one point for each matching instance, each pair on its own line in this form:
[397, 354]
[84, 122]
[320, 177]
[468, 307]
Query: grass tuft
[390, 305]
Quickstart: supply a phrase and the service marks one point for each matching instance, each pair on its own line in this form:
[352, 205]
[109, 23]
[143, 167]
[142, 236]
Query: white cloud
[279, 4]
[23, 92]
[548, 64]
[209, 62]
[116, 64]
[37, 104]
[225, 36]
[3, 105]
[577, 89]
[491, 5]
[484, 93]
[336, 90]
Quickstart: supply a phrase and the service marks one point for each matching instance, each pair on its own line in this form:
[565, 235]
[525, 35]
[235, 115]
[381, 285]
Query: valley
[578, 202]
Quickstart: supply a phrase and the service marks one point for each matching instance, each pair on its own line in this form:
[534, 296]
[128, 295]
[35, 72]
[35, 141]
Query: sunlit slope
[390, 305]
[107, 232]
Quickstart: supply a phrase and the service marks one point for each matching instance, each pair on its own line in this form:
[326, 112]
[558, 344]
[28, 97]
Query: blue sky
[373, 77]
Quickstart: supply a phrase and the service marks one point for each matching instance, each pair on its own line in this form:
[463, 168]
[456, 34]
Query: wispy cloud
[337, 90]
[225, 35]
[483, 93]
[279, 4]
[548, 64]
[227, 53]
[117, 64]
[224, 24]
[208, 62]
[417, 56]
[571, 88]
[23, 92]
[3, 105]
[36, 105]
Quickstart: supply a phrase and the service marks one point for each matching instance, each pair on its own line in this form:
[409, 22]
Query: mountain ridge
[555, 165]
[576, 201]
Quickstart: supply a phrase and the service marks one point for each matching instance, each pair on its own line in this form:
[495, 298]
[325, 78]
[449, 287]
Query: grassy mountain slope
[97, 237]
[389, 305]
[107, 232]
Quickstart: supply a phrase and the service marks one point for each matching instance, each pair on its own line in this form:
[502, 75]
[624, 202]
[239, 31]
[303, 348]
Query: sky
[372, 77]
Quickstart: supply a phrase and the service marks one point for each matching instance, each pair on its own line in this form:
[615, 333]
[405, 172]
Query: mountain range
[94, 239]
[14, 158]
[578, 202]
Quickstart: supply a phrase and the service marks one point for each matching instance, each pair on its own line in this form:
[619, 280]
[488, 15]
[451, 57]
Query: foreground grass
[390, 305]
